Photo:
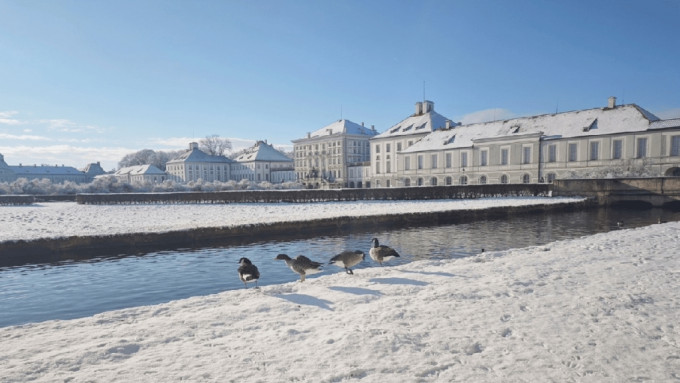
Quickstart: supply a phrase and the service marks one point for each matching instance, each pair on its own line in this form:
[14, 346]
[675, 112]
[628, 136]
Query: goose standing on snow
[381, 253]
[301, 265]
[248, 272]
[348, 259]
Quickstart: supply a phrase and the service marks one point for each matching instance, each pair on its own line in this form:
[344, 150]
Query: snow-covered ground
[602, 308]
[63, 219]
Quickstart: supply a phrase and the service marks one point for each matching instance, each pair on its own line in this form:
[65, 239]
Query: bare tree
[215, 145]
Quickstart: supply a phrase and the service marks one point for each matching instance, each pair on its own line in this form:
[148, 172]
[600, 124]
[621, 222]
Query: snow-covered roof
[663, 124]
[590, 122]
[196, 155]
[93, 169]
[45, 170]
[139, 170]
[262, 152]
[343, 127]
[425, 121]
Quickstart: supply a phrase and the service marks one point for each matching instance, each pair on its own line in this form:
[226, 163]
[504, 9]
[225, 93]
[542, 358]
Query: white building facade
[195, 164]
[263, 162]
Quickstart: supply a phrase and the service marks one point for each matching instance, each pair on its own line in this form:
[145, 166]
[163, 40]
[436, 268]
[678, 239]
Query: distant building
[324, 158]
[93, 170]
[262, 162]
[195, 164]
[140, 174]
[387, 170]
[56, 174]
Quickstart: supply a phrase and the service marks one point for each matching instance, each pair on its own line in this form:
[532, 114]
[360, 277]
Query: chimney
[373, 128]
[193, 145]
[612, 102]
[362, 124]
[419, 108]
[448, 124]
[428, 106]
[309, 135]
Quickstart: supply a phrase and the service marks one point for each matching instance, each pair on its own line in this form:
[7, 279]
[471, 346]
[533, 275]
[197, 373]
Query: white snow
[63, 219]
[602, 308]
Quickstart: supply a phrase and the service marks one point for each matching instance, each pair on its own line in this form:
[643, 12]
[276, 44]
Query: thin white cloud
[487, 115]
[6, 118]
[68, 155]
[668, 114]
[68, 126]
[22, 137]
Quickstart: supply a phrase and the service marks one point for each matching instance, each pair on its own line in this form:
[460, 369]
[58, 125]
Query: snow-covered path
[64, 219]
[601, 308]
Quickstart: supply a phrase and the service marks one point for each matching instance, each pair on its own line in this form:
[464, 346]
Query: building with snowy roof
[56, 173]
[93, 170]
[324, 157]
[262, 162]
[386, 170]
[599, 142]
[195, 164]
[141, 174]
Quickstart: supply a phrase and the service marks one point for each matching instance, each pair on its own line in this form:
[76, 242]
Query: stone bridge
[650, 192]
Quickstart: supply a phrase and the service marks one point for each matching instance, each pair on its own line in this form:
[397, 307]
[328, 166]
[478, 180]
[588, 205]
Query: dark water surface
[68, 290]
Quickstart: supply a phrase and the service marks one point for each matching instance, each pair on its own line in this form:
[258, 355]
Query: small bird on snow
[248, 272]
[348, 259]
[381, 253]
[301, 265]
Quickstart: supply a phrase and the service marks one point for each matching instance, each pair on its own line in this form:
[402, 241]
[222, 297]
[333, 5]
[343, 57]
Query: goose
[248, 272]
[301, 265]
[348, 259]
[381, 253]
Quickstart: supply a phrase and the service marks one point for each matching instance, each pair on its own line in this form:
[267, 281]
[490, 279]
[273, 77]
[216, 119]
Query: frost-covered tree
[215, 145]
[148, 157]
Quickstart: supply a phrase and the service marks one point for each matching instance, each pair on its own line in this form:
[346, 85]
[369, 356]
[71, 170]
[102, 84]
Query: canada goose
[348, 259]
[381, 253]
[248, 272]
[301, 265]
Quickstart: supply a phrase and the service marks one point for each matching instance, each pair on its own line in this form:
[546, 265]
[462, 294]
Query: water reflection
[82, 288]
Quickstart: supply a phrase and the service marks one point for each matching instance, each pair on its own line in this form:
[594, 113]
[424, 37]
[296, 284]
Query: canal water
[67, 290]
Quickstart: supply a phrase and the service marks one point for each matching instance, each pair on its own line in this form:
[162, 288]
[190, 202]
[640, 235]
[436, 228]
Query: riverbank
[50, 232]
[598, 308]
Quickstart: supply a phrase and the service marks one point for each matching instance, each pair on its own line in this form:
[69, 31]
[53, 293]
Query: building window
[407, 163]
[504, 156]
[526, 179]
[399, 146]
[594, 151]
[433, 181]
[377, 148]
[448, 160]
[526, 155]
[387, 183]
[463, 159]
[407, 182]
[433, 160]
[504, 179]
[641, 147]
[449, 181]
[420, 162]
[552, 153]
[573, 151]
[377, 168]
[675, 145]
[388, 148]
[482, 180]
[551, 177]
[483, 157]
[388, 168]
[463, 180]
[617, 149]
[420, 182]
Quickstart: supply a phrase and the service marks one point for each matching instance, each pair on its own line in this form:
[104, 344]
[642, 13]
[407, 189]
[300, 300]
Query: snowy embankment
[601, 308]
[65, 219]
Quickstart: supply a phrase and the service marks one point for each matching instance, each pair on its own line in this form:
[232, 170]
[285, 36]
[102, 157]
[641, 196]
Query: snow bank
[65, 219]
[599, 308]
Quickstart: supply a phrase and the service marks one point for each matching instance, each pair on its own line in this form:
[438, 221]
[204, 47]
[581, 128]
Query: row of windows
[463, 180]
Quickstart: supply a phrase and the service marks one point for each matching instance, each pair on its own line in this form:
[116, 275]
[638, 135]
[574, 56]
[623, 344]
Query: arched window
[504, 179]
[526, 179]
[407, 182]
[463, 180]
[420, 181]
[482, 180]
[433, 181]
[449, 181]
[551, 177]
[387, 183]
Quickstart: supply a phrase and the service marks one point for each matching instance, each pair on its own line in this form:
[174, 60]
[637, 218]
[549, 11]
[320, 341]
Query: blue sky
[92, 80]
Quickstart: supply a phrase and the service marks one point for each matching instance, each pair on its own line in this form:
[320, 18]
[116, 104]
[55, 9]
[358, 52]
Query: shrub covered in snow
[24, 186]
